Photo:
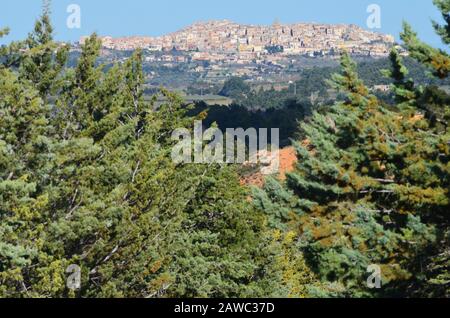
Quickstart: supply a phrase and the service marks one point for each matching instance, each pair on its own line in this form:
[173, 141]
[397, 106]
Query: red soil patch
[288, 159]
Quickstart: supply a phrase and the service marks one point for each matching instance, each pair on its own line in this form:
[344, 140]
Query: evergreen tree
[436, 103]
[40, 64]
[372, 184]
[403, 88]
[87, 178]
[368, 185]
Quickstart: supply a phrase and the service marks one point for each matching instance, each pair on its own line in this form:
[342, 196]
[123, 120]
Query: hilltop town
[210, 39]
[215, 50]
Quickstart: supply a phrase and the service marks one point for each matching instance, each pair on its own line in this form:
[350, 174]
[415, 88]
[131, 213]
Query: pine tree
[443, 31]
[367, 185]
[435, 102]
[39, 63]
[403, 88]
[25, 164]
[87, 178]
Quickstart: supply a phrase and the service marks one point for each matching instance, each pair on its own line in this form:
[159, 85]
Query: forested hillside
[312, 89]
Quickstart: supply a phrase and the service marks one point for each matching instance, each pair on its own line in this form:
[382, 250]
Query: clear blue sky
[157, 17]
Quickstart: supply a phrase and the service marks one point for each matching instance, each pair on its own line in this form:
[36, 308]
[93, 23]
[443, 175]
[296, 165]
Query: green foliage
[4, 32]
[371, 187]
[235, 88]
[312, 90]
[436, 59]
[402, 87]
[443, 30]
[86, 178]
[372, 183]
[41, 65]
[274, 49]
[435, 103]
[286, 118]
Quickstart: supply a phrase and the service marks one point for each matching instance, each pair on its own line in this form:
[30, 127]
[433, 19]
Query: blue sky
[157, 17]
